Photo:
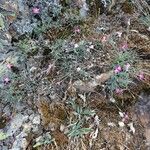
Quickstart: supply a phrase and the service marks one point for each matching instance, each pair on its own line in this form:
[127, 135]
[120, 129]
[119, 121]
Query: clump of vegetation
[128, 7]
[78, 129]
[124, 71]
[27, 47]
[68, 58]
[145, 20]
[83, 59]
[42, 140]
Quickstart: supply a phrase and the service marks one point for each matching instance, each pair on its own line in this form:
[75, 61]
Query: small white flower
[112, 100]
[88, 50]
[76, 46]
[119, 34]
[121, 114]
[91, 47]
[121, 124]
[78, 69]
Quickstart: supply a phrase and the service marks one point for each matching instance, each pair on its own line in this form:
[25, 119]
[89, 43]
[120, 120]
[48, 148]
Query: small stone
[88, 50]
[16, 123]
[36, 120]
[35, 128]
[20, 144]
[31, 117]
[62, 127]
[27, 127]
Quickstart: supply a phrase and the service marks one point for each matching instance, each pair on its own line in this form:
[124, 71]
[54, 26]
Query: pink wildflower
[104, 39]
[124, 46]
[118, 69]
[127, 66]
[36, 10]
[6, 80]
[119, 91]
[9, 66]
[141, 76]
[125, 118]
[77, 30]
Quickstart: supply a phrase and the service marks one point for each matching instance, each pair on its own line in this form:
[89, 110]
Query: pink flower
[36, 10]
[6, 80]
[125, 118]
[118, 69]
[124, 46]
[104, 39]
[127, 66]
[119, 91]
[9, 66]
[77, 30]
[141, 76]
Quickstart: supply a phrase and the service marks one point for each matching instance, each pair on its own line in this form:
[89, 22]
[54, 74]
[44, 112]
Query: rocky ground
[54, 76]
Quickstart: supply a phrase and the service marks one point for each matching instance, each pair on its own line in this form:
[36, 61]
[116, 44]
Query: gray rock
[35, 129]
[4, 148]
[36, 120]
[16, 123]
[31, 117]
[20, 144]
[21, 141]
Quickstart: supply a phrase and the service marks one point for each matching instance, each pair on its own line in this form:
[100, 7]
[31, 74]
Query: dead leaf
[50, 69]
[104, 77]
[147, 135]
[90, 86]
[84, 86]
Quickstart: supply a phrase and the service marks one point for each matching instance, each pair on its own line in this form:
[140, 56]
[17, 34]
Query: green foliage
[68, 57]
[145, 20]
[77, 129]
[18, 88]
[122, 58]
[27, 46]
[81, 111]
[122, 79]
[57, 17]
[72, 17]
[119, 81]
[45, 139]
